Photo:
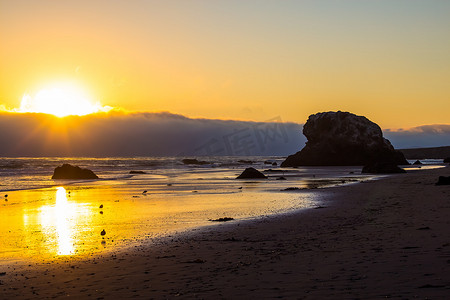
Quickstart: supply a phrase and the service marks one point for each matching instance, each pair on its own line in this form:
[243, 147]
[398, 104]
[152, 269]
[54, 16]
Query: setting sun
[60, 101]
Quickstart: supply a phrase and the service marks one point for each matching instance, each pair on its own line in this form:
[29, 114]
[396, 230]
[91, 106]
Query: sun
[61, 101]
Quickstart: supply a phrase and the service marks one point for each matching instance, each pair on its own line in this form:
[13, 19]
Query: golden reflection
[49, 223]
[59, 222]
[63, 212]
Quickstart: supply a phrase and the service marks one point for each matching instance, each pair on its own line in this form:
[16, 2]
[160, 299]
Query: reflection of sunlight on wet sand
[50, 223]
[59, 224]
[63, 212]
[55, 221]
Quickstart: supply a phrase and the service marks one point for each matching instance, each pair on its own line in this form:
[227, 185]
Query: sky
[242, 60]
[192, 77]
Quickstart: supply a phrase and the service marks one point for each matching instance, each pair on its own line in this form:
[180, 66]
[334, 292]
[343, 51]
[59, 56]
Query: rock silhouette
[193, 161]
[343, 139]
[225, 219]
[382, 168]
[67, 171]
[243, 161]
[251, 173]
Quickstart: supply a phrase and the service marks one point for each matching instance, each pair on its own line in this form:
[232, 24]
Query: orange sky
[252, 60]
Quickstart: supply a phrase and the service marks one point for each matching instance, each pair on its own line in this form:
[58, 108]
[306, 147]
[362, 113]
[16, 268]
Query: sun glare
[60, 101]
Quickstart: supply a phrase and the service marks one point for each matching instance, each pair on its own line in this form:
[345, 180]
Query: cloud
[143, 134]
[165, 134]
[420, 137]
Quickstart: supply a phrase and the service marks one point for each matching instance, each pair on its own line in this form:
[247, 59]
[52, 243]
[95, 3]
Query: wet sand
[388, 238]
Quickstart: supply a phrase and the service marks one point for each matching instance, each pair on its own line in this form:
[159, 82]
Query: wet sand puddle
[78, 220]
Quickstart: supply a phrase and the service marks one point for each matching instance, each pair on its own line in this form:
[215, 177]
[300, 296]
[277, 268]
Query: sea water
[43, 218]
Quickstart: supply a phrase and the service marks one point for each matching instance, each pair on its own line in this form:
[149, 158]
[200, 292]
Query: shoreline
[381, 238]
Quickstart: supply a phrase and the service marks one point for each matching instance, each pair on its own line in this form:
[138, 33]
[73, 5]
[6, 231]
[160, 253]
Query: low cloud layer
[165, 134]
[143, 134]
[420, 137]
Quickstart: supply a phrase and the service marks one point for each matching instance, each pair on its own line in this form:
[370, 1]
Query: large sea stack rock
[251, 173]
[67, 171]
[343, 139]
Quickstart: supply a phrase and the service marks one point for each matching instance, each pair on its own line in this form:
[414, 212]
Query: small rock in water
[291, 189]
[6, 196]
[424, 228]
[195, 261]
[67, 171]
[193, 161]
[101, 206]
[222, 219]
[243, 161]
[137, 172]
[382, 168]
[251, 173]
[281, 178]
[101, 212]
[103, 232]
[144, 192]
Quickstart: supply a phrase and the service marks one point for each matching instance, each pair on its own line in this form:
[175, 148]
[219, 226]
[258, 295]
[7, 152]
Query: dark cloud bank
[143, 134]
[420, 137]
[165, 134]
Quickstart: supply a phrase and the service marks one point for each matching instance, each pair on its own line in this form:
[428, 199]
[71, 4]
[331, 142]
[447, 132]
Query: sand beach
[387, 238]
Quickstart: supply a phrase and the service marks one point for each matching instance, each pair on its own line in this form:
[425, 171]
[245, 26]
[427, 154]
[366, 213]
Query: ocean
[30, 173]
[46, 219]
